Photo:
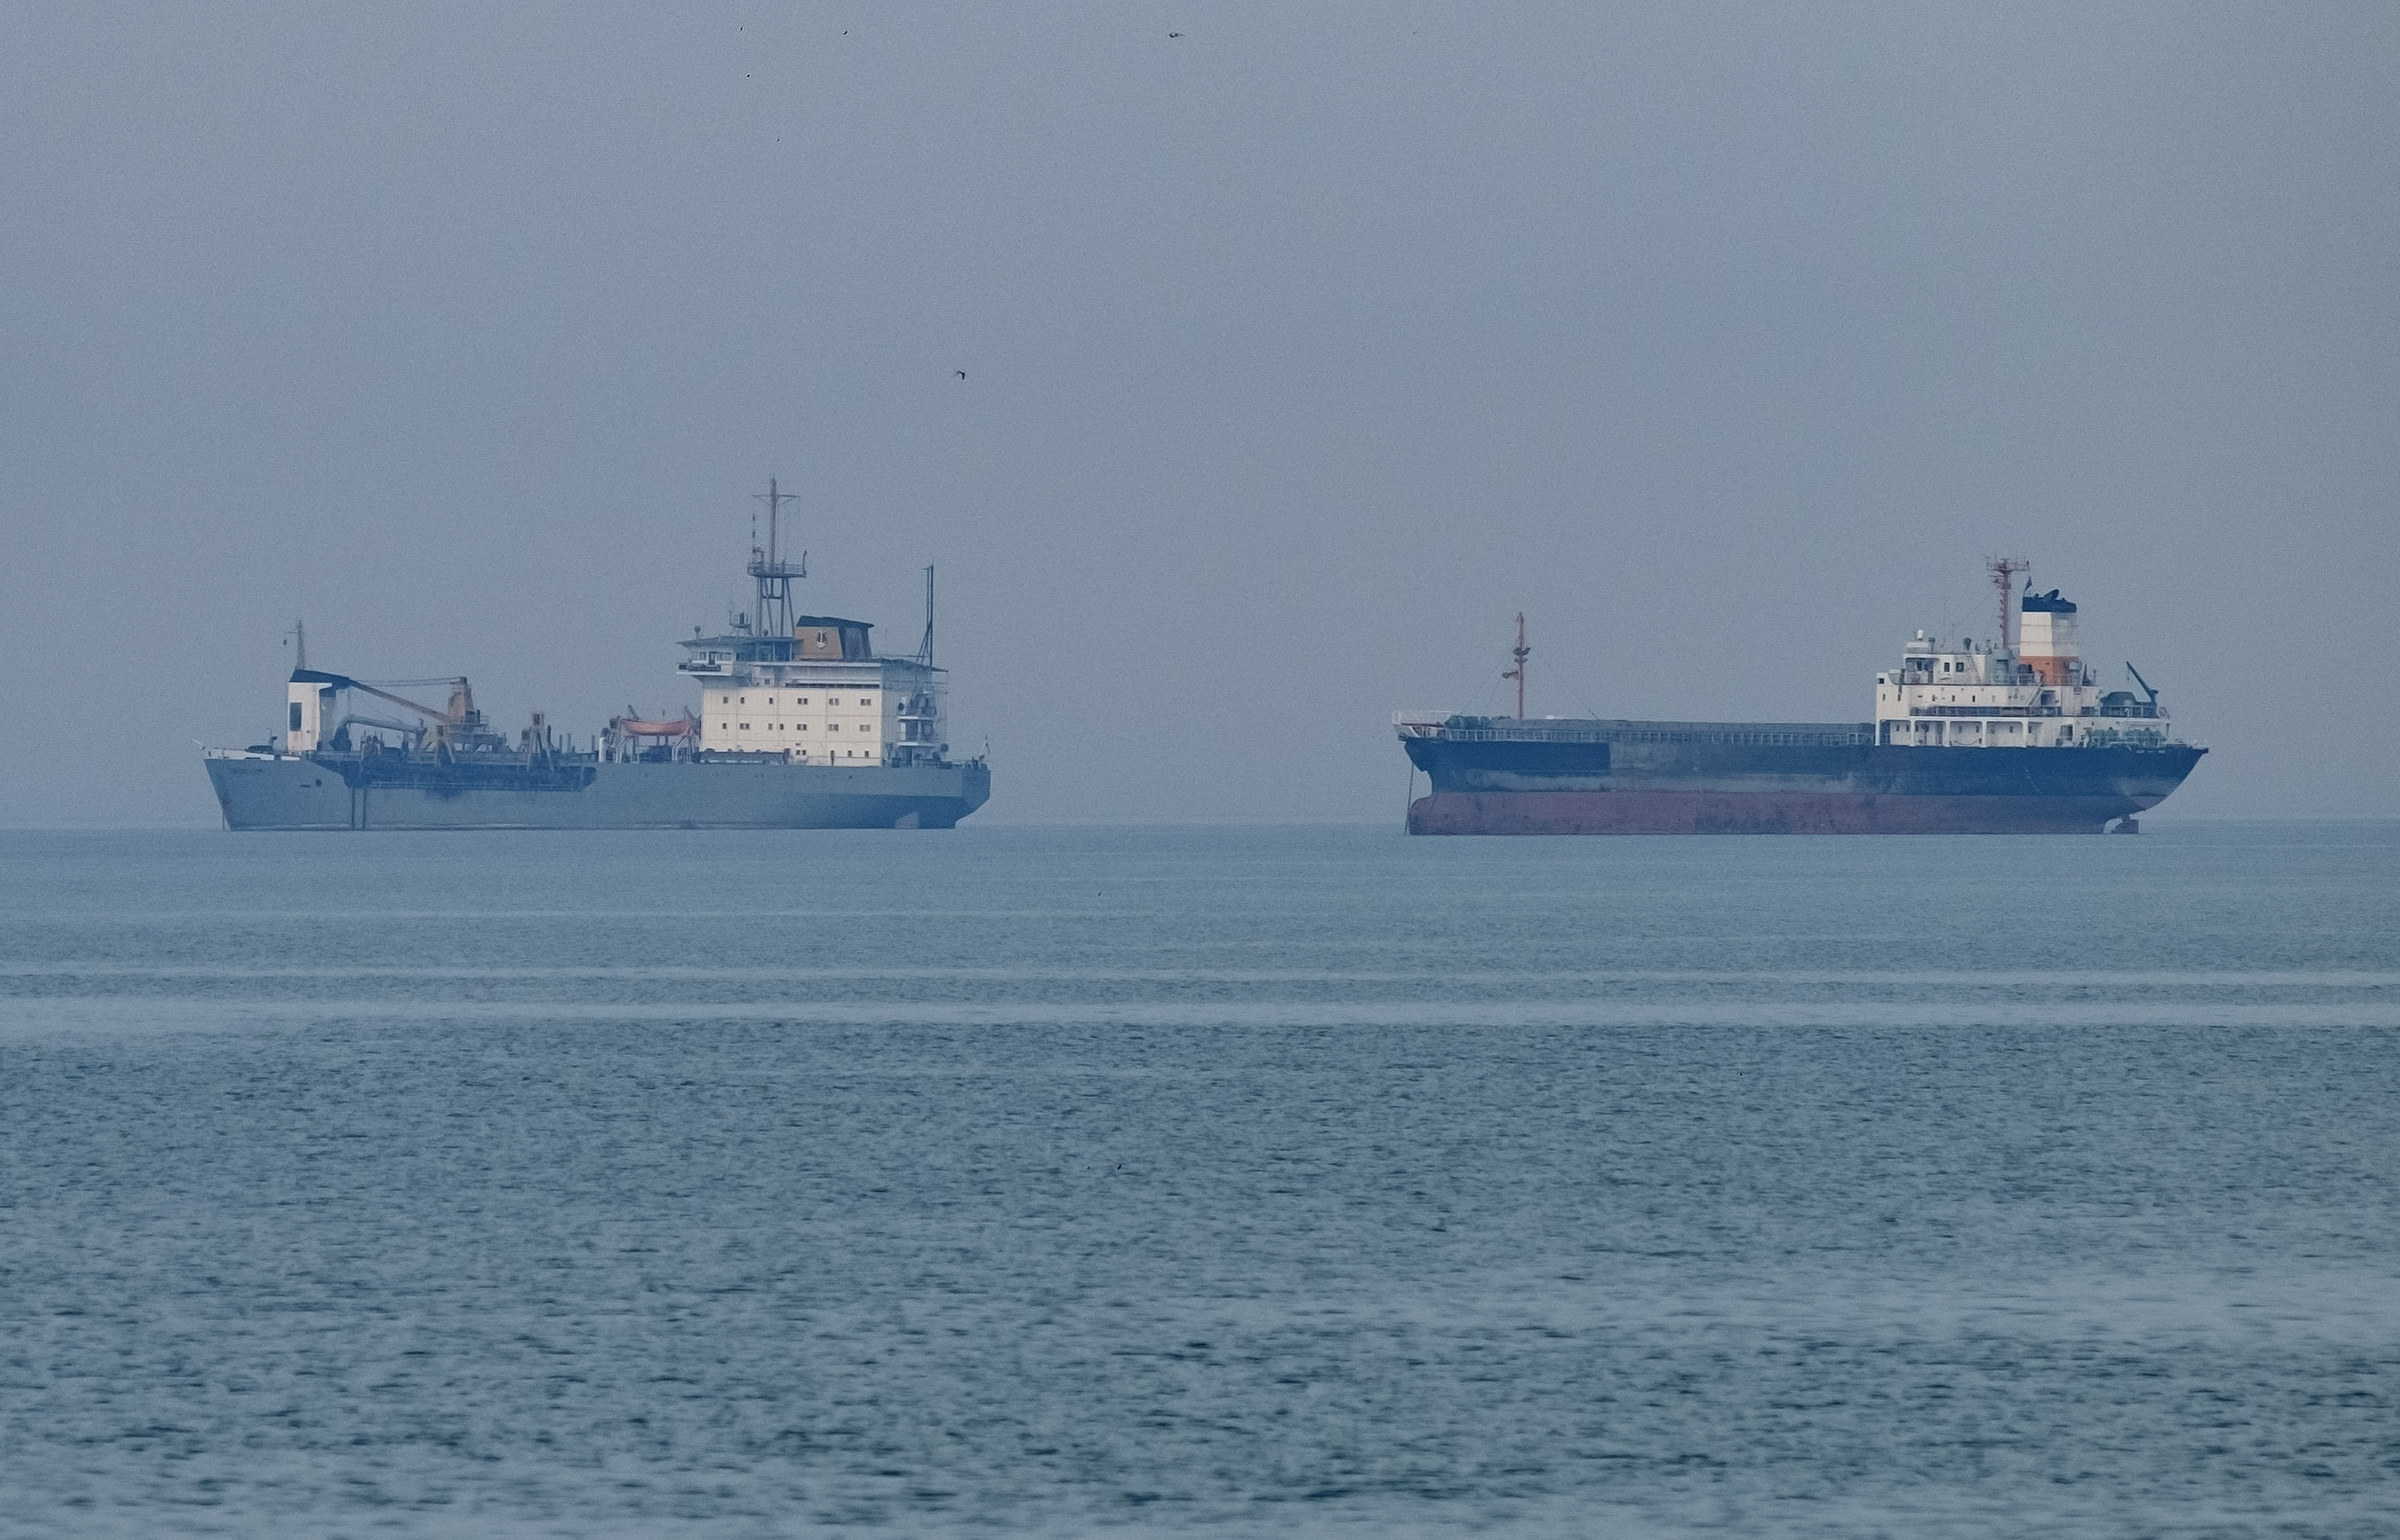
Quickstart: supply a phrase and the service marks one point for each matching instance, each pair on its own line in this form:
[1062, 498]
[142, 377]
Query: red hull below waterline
[1756, 812]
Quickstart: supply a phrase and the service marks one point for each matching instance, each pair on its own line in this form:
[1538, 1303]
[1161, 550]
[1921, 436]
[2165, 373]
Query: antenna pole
[774, 613]
[1520, 652]
[2004, 570]
[926, 648]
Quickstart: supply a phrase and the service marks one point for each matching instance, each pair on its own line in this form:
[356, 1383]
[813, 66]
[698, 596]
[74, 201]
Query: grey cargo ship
[800, 725]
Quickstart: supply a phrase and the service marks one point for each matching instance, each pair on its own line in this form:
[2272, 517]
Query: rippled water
[1266, 1180]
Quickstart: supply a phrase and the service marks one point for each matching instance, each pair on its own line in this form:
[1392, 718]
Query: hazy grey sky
[1303, 350]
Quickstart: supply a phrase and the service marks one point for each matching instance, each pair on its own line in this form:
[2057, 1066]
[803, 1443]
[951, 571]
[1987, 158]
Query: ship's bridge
[818, 695]
[813, 637]
[2033, 691]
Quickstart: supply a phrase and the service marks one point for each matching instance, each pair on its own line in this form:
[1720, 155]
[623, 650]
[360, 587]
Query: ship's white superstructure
[821, 710]
[809, 690]
[2037, 693]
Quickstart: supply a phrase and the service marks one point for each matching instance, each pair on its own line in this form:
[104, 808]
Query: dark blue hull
[1702, 777]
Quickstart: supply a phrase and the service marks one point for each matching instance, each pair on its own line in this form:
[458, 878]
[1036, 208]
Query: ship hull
[302, 793]
[1760, 812]
[1778, 778]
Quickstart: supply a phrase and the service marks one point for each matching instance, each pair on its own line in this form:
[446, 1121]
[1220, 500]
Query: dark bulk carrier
[801, 726]
[2015, 737]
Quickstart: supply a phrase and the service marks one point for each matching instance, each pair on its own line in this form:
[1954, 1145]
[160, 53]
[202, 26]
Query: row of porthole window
[1930, 728]
[802, 700]
[778, 727]
[841, 754]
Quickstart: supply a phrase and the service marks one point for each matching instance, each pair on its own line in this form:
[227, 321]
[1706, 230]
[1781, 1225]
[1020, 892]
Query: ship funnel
[2048, 638]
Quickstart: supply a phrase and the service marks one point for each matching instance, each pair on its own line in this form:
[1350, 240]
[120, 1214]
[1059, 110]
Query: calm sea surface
[1274, 1180]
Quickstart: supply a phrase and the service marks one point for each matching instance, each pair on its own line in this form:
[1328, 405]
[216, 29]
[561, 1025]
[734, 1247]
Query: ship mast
[774, 574]
[1520, 652]
[926, 648]
[2004, 570]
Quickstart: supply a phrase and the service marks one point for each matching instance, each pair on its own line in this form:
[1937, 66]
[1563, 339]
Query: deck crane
[2145, 688]
[442, 727]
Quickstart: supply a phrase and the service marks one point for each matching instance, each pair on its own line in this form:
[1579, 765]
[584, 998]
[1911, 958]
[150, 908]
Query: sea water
[1180, 1180]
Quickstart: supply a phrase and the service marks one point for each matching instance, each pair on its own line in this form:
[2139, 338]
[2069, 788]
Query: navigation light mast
[2004, 570]
[1520, 652]
[926, 648]
[774, 613]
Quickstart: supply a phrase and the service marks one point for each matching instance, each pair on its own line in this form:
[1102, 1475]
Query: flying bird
[963, 374]
[1175, 34]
